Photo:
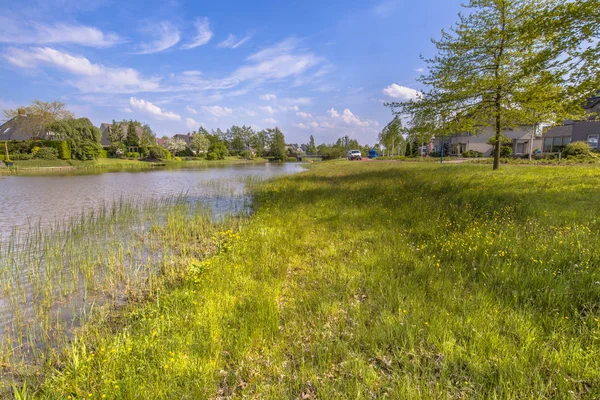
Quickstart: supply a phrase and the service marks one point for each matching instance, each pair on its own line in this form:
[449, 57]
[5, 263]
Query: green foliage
[247, 155]
[46, 153]
[199, 143]
[82, 136]
[132, 139]
[133, 154]
[506, 151]
[177, 159]
[577, 149]
[218, 149]
[156, 153]
[471, 154]
[103, 153]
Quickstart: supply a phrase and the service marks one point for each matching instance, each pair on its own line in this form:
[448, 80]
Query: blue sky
[309, 67]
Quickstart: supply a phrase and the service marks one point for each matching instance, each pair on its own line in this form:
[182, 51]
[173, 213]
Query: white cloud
[232, 42]
[192, 73]
[290, 108]
[300, 125]
[166, 36]
[268, 96]
[151, 109]
[192, 123]
[267, 110]
[191, 110]
[304, 115]
[248, 113]
[270, 121]
[401, 92]
[333, 113]
[127, 110]
[420, 70]
[15, 31]
[204, 34]
[92, 77]
[217, 111]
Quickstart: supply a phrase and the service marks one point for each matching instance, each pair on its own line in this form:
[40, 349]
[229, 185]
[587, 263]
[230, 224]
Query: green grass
[372, 280]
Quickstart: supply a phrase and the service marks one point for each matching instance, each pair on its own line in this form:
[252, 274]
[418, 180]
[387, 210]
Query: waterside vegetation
[370, 280]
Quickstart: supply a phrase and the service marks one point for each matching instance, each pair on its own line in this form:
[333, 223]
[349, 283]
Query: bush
[168, 155]
[156, 153]
[133, 154]
[177, 159]
[20, 156]
[46, 153]
[506, 151]
[2, 157]
[103, 153]
[187, 152]
[212, 156]
[472, 154]
[62, 147]
[577, 149]
[247, 154]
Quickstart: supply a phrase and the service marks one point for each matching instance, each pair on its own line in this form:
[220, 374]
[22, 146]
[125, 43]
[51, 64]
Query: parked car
[373, 153]
[354, 155]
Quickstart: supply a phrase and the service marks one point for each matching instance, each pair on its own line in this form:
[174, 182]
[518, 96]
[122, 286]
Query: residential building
[521, 138]
[106, 129]
[24, 127]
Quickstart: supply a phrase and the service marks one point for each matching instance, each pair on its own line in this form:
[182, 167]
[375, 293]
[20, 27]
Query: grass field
[372, 280]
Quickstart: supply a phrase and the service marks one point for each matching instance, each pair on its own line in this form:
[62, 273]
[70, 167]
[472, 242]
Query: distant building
[24, 127]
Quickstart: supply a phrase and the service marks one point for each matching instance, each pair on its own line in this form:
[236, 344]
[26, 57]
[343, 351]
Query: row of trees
[235, 141]
[508, 63]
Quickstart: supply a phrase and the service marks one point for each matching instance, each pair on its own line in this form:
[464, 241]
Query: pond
[28, 200]
[70, 242]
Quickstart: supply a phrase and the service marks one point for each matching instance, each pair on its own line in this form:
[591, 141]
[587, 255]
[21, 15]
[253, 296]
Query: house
[106, 130]
[24, 127]
[521, 140]
[186, 138]
[586, 130]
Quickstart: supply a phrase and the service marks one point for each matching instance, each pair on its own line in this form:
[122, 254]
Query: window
[566, 140]
[593, 141]
[520, 148]
[548, 145]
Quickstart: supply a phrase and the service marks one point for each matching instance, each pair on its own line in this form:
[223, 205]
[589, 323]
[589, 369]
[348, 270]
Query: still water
[28, 200]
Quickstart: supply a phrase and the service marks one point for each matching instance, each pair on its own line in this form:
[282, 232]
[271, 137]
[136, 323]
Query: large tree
[82, 135]
[391, 135]
[483, 67]
[277, 144]
[199, 143]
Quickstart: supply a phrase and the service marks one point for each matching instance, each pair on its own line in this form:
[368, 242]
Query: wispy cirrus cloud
[165, 36]
[232, 42]
[217, 111]
[153, 110]
[89, 77]
[203, 33]
[268, 97]
[16, 31]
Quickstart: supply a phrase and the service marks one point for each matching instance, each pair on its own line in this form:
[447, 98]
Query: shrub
[103, 153]
[156, 153]
[472, 154]
[133, 154]
[212, 156]
[506, 151]
[62, 147]
[187, 152]
[177, 159]
[21, 156]
[2, 157]
[168, 155]
[577, 149]
[46, 153]
[246, 154]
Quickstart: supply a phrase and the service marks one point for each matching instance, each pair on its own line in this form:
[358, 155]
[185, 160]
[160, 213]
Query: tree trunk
[497, 145]
[531, 142]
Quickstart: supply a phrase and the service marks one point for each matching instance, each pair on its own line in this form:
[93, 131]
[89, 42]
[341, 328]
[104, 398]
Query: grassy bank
[113, 164]
[370, 280]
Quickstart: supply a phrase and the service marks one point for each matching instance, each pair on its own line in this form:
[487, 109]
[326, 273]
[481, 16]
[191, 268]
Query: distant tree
[277, 144]
[148, 137]
[260, 142]
[81, 134]
[311, 145]
[175, 145]
[391, 135]
[199, 143]
[217, 150]
[132, 139]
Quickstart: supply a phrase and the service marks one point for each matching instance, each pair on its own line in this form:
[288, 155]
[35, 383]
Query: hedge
[103, 154]
[25, 146]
